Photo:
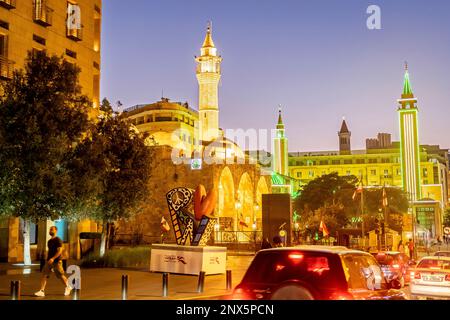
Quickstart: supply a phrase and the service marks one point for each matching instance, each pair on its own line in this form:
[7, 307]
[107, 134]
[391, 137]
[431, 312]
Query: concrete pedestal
[187, 259]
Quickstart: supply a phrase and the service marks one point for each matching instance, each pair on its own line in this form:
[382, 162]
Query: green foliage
[113, 169]
[447, 217]
[120, 258]
[43, 115]
[330, 198]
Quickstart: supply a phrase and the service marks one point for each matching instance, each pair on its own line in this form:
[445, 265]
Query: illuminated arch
[245, 211]
[226, 206]
[261, 188]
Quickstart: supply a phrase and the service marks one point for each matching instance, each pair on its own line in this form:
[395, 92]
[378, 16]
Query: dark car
[315, 273]
[442, 254]
[394, 264]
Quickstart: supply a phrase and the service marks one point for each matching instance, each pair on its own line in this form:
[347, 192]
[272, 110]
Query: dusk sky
[315, 58]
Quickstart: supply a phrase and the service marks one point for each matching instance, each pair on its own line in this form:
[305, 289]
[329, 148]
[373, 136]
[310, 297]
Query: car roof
[316, 248]
[442, 251]
[387, 252]
[435, 258]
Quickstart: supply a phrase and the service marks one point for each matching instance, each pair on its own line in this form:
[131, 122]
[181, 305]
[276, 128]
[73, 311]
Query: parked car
[394, 264]
[316, 273]
[431, 278]
[442, 254]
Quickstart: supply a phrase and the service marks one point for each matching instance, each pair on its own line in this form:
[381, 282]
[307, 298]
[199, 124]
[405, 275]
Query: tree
[113, 169]
[327, 198]
[43, 115]
[447, 217]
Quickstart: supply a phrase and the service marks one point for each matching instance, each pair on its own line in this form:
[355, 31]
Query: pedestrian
[411, 249]
[266, 244]
[401, 247]
[277, 243]
[55, 248]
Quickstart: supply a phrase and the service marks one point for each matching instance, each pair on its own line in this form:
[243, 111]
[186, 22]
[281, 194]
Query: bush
[120, 258]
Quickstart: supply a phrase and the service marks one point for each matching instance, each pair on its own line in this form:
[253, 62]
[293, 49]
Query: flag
[164, 225]
[358, 190]
[385, 199]
[323, 228]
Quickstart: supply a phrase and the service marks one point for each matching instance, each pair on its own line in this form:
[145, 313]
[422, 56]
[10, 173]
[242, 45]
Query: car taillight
[296, 257]
[239, 294]
[447, 277]
[342, 296]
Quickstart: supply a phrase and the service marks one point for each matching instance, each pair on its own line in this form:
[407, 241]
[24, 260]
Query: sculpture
[191, 212]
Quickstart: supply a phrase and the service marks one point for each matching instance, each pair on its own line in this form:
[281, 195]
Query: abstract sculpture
[191, 212]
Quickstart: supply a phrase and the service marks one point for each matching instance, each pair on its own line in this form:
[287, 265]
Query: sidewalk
[105, 284]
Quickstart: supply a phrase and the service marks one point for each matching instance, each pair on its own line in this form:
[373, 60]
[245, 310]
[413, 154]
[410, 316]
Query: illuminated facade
[38, 25]
[280, 149]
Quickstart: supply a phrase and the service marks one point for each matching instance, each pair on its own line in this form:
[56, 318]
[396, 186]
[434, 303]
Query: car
[442, 254]
[316, 273]
[394, 264]
[431, 278]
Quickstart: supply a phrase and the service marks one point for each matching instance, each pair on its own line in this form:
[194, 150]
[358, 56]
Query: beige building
[44, 25]
[71, 29]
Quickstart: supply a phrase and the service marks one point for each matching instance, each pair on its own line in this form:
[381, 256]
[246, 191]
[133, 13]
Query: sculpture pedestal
[188, 260]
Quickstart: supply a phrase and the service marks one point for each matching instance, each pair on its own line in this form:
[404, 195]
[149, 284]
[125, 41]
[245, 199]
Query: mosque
[189, 148]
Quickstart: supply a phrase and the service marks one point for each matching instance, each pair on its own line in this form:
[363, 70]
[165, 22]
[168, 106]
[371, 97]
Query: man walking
[55, 247]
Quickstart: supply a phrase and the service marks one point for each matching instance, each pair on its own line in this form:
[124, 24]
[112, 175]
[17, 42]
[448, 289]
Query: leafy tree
[43, 115]
[113, 167]
[327, 198]
[447, 217]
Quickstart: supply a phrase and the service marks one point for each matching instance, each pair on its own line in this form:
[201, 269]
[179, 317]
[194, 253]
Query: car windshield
[317, 268]
[434, 264]
[363, 272]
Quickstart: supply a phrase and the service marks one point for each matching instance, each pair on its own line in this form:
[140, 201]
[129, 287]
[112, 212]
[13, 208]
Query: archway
[245, 205]
[226, 206]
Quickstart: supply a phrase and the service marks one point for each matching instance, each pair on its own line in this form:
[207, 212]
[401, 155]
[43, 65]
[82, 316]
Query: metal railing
[6, 68]
[8, 4]
[75, 34]
[42, 13]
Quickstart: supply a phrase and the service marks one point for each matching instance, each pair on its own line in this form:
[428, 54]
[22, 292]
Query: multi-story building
[71, 29]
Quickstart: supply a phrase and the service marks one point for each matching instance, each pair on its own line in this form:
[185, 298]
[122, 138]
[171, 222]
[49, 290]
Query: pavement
[105, 283]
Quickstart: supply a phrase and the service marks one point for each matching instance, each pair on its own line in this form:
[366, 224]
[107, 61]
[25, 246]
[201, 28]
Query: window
[363, 272]
[74, 26]
[311, 174]
[299, 174]
[4, 24]
[386, 173]
[348, 172]
[348, 161]
[8, 4]
[33, 231]
[42, 13]
[425, 172]
[96, 65]
[398, 172]
[373, 172]
[335, 161]
[373, 160]
[323, 162]
[360, 161]
[63, 230]
[71, 53]
[385, 160]
[38, 39]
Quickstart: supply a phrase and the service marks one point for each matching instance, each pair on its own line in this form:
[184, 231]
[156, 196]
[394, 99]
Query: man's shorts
[57, 268]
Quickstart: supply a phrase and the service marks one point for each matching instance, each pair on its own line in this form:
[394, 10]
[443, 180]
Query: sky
[315, 58]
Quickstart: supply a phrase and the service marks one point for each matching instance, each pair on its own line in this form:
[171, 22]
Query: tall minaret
[208, 76]
[409, 141]
[344, 139]
[280, 149]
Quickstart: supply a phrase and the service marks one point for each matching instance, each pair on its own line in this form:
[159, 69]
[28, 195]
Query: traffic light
[377, 226]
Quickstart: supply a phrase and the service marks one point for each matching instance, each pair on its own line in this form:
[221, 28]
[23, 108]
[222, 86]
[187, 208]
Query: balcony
[6, 68]
[75, 34]
[8, 4]
[42, 13]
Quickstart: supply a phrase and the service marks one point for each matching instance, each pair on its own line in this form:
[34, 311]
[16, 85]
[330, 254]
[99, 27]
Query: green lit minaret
[409, 141]
[280, 161]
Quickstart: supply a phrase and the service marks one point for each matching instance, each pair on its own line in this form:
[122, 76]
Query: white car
[431, 278]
